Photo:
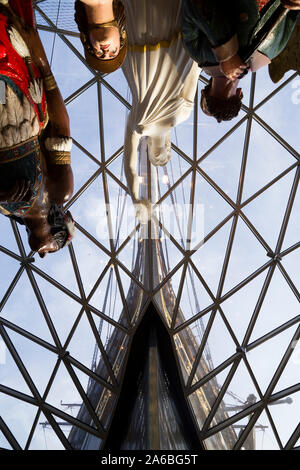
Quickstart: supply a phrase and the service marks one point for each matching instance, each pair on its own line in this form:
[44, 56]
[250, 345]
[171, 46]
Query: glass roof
[220, 261]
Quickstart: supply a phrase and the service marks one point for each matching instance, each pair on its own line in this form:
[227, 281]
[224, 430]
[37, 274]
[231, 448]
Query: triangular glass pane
[291, 264]
[194, 297]
[22, 308]
[240, 394]
[24, 239]
[116, 167]
[290, 374]
[263, 166]
[292, 233]
[83, 168]
[59, 267]
[7, 237]
[209, 258]
[38, 361]
[132, 256]
[203, 399]
[9, 268]
[183, 135]
[175, 210]
[118, 82]
[279, 113]
[223, 165]
[110, 337]
[83, 346]
[91, 260]
[187, 343]
[85, 109]
[62, 309]
[89, 211]
[18, 416]
[215, 350]
[225, 439]
[100, 398]
[279, 306]
[267, 210]
[169, 289]
[135, 296]
[66, 18]
[107, 298]
[40, 20]
[63, 390]
[239, 307]
[64, 425]
[168, 258]
[209, 210]
[285, 414]
[262, 436]
[122, 213]
[265, 358]
[245, 84]
[169, 174]
[44, 438]
[246, 256]
[10, 375]
[114, 122]
[264, 85]
[58, 11]
[70, 73]
[78, 437]
[50, 8]
[4, 444]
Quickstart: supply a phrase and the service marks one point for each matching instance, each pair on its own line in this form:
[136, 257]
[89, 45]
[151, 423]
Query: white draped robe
[162, 78]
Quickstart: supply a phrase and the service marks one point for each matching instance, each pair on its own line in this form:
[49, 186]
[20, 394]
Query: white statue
[163, 81]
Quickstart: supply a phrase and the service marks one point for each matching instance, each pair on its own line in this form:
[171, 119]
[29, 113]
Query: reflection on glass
[162, 79]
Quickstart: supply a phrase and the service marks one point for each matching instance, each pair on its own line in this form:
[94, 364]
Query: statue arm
[130, 163]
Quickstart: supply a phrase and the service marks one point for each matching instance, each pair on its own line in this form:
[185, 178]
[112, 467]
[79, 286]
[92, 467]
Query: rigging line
[118, 208]
[119, 218]
[136, 237]
[200, 320]
[207, 350]
[174, 200]
[183, 189]
[45, 438]
[54, 39]
[233, 395]
[100, 327]
[174, 196]
[109, 288]
[179, 159]
[161, 217]
[263, 438]
[115, 300]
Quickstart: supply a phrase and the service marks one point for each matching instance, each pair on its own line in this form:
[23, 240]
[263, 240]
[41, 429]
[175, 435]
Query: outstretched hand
[19, 192]
[233, 67]
[291, 4]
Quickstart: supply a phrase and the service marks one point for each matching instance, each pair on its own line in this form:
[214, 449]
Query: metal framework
[224, 308]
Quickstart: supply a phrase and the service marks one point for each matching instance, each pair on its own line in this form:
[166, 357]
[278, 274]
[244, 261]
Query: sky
[266, 159]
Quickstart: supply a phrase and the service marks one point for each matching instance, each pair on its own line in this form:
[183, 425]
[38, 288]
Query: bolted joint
[26, 261]
[241, 350]
[275, 257]
[63, 354]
